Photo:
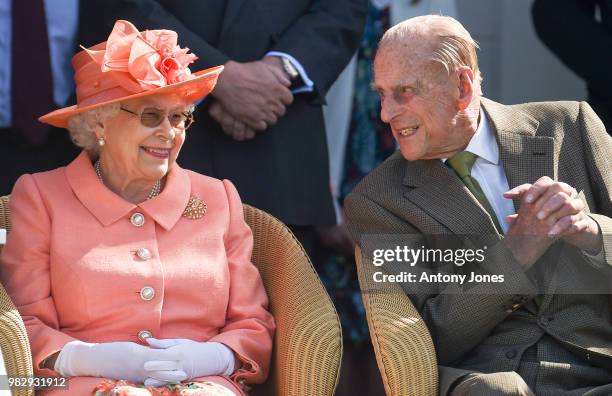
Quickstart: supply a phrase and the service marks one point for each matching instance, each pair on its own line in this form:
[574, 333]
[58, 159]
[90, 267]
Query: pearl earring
[101, 141]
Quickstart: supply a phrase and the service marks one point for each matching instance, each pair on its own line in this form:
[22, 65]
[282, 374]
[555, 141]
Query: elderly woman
[124, 266]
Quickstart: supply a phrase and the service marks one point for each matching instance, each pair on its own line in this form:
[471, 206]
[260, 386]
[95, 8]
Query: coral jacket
[79, 265]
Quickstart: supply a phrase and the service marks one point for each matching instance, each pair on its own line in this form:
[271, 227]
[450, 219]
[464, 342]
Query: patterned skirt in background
[369, 143]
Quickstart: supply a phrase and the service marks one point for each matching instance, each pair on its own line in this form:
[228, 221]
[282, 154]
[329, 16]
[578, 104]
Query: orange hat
[133, 64]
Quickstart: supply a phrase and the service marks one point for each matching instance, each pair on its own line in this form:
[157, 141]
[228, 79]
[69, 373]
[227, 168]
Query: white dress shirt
[488, 170]
[62, 22]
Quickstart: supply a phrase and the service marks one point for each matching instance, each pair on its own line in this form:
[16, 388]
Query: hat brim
[192, 90]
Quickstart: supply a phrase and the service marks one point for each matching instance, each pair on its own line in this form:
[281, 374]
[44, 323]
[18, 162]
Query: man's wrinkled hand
[558, 205]
[527, 238]
[232, 127]
[254, 93]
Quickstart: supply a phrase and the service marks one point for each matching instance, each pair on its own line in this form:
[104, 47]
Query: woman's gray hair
[82, 126]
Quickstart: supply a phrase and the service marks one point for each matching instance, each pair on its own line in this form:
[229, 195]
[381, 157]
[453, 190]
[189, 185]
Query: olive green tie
[462, 164]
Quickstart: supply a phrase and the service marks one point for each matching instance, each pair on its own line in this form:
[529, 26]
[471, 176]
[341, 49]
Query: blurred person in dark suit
[263, 128]
[36, 43]
[579, 32]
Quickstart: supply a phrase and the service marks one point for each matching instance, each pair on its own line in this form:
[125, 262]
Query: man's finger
[279, 110]
[271, 118]
[227, 123]
[239, 137]
[285, 96]
[259, 125]
[567, 225]
[538, 188]
[218, 114]
[517, 191]
[553, 190]
[560, 205]
[249, 133]
[511, 218]
[215, 112]
[239, 127]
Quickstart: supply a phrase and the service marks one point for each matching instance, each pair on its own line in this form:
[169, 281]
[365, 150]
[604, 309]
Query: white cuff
[308, 84]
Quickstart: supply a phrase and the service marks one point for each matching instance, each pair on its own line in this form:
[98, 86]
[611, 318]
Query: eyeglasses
[153, 117]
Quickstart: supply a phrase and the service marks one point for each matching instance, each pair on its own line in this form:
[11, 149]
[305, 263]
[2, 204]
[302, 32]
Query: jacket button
[143, 253]
[544, 321]
[147, 293]
[511, 308]
[143, 335]
[511, 354]
[137, 219]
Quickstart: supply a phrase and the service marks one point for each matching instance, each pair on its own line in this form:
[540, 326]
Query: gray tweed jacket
[564, 344]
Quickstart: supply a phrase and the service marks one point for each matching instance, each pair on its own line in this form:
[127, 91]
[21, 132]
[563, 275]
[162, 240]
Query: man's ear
[466, 87]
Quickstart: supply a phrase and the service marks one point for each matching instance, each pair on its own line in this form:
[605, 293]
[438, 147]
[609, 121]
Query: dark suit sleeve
[144, 14]
[598, 148]
[570, 30]
[324, 38]
[458, 318]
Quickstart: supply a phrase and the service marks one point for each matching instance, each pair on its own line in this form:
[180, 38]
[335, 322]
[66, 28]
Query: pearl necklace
[154, 191]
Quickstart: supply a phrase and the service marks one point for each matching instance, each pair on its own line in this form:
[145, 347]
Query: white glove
[116, 360]
[194, 359]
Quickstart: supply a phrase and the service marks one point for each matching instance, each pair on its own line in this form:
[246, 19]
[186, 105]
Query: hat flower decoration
[132, 64]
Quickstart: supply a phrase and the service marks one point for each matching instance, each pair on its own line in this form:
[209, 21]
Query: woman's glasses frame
[152, 118]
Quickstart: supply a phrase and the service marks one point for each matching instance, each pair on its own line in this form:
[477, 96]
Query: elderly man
[533, 180]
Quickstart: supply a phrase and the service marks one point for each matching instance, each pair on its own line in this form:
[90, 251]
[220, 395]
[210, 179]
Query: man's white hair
[451, 45]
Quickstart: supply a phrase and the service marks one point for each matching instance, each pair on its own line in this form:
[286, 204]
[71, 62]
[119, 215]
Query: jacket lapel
[439, 192]
[525, 156]
[231, 12]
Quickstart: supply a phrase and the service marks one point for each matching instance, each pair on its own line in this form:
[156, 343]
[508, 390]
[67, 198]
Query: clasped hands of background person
[250, 97]
[549, 211]
[165, 361]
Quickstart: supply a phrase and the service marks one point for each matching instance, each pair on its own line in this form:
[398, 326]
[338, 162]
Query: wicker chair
[403, 346]
[308, 342]
[13, 337]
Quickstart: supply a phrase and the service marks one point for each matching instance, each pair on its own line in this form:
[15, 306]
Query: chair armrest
[403, 346]
[308, 340]
[14, 343]
[5, 213]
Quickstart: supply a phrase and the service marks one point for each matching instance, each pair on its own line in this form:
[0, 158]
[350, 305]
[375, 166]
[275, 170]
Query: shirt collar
[483, 143]
[106, 206]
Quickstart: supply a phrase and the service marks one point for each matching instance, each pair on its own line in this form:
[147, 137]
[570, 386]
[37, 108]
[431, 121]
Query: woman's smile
[157, 152]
